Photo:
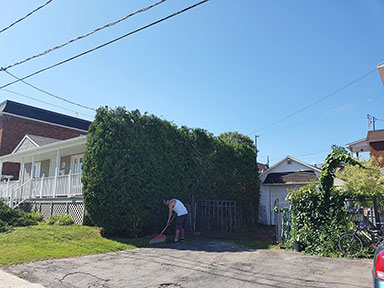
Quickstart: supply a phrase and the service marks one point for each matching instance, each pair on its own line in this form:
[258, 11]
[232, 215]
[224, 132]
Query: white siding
[25, 145]
[264, 204]
[268, 195]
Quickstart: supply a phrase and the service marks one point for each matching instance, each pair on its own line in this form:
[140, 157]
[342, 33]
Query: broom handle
[166, 226]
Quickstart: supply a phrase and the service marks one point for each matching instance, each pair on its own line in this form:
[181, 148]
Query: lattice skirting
[74, 209]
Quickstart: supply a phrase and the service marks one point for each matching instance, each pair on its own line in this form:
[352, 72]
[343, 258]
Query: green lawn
[43, 241]
[25, 244]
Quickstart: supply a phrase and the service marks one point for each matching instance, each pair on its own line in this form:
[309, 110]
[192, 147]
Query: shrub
[4, 227]
[318, 216]
[15, 217]
[38, 216]
[133, 161]
[25, 219]
[319, 232]
[63, 220]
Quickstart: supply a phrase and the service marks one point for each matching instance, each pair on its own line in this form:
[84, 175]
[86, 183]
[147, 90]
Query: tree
[340, 149]
[236, 138]
[363, 183]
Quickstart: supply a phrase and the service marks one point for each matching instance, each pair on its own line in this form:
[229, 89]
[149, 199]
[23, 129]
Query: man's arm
[171, 205]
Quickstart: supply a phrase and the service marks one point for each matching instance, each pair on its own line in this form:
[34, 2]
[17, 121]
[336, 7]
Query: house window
[77, 164]
[37, 170]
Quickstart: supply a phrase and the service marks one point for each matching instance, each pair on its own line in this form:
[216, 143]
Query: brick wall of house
[377, 150]
[13, 129]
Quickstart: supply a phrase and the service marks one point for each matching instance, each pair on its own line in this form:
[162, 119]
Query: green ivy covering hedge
[318, 216]
[133, 161]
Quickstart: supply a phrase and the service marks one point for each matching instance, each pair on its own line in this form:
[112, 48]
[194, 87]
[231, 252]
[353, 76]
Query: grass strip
[26, 244]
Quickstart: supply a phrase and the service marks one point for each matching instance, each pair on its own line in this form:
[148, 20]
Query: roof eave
[46, 148]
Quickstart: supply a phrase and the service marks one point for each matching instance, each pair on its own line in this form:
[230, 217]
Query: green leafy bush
[319, 232]
[4, 227]
[318, 216]
[133, 161]
[62, 220]
[38, 216]
[15, 217]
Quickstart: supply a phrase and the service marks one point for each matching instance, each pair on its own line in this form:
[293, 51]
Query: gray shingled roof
[290, 177]
[41, 141]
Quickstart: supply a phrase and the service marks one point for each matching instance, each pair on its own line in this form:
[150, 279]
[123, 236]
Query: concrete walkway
[10, 281]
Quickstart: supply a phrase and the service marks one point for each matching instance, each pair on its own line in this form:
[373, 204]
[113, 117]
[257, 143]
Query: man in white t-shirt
[178, 207]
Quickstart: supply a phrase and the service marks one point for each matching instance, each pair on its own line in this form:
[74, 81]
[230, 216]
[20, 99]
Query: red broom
[161, 237]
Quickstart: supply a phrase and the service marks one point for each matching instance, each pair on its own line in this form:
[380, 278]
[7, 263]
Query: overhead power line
[311, 118]
[83, 36]
[50, 94]
[107, 43]
[313, 153]
[29, 14]
[48, 103]
[318, 101]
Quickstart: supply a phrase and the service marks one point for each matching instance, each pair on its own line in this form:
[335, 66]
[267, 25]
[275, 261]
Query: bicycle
[351, 244]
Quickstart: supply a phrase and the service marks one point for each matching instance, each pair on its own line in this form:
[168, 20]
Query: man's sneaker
[175, 242]
[182, 240]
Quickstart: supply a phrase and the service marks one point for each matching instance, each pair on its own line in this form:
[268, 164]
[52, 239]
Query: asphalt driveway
[201, 264]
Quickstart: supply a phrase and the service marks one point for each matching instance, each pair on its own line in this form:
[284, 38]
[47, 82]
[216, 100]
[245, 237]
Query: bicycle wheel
[350, 244]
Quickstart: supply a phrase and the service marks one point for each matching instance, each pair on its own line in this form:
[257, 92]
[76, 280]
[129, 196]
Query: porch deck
[14, 193]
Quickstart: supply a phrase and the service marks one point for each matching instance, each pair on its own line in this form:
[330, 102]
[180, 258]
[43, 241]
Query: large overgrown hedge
[133, 161]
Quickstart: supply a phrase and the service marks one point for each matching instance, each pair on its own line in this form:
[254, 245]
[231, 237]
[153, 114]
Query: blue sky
[223, 66]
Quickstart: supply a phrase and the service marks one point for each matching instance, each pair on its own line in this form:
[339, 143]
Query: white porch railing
[5, 185]
[45, 187]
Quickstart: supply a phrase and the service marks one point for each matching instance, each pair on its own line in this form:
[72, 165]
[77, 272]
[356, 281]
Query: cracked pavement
[201, 264]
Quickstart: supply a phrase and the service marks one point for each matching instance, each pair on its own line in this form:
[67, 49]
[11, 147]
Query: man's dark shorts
[181, 221]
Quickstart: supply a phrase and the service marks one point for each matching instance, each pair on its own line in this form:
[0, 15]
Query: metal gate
[213, 216]
[282, 220]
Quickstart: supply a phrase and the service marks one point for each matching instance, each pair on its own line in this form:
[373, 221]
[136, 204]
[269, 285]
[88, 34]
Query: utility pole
[373, 121]
[256, 150]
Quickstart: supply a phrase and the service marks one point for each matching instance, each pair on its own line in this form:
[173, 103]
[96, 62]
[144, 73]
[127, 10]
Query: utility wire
[50, 94]
[313, 153]
[107, 43]
[333, 111]
[82, 36]
[318, 101]
[29, 14]
[35, 99]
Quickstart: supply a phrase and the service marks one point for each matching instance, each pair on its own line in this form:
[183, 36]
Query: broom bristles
[158, 239]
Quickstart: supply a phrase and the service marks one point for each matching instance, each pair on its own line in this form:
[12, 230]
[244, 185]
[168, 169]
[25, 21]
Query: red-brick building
[17, 120]
[373, 143]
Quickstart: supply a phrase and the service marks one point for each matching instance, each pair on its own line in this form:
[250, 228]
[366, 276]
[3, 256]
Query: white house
[49, 177]
[276, 182]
